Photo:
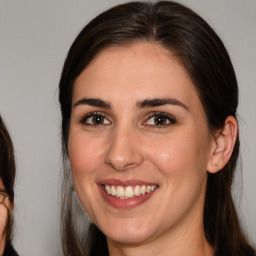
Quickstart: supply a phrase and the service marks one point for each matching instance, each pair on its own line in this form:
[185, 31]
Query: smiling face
[139, 144]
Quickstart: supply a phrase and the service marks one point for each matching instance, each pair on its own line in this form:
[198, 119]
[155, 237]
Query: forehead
[136, 71]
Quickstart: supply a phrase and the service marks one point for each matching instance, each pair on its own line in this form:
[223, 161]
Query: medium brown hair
[203, 55]
[7, 174]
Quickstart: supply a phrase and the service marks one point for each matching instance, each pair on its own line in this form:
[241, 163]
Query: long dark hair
[203, 55]
[7, 174]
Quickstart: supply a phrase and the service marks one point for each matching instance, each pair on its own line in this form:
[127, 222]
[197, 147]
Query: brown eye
[98, 119]
[160, 119]
[95, 119]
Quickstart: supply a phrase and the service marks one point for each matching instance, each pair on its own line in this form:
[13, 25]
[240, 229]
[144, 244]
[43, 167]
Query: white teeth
[107, 188]
[143, 190]
[137, 190]
[129, 191]
[152, 187]
[113, 191]
[120, 191]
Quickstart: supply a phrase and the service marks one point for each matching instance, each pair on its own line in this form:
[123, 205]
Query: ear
[223, 145]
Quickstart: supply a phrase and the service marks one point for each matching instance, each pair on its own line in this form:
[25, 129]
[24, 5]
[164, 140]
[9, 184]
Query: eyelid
[171, 118]
[91, 114]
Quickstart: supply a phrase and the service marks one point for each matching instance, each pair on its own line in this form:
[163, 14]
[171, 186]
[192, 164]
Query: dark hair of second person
[7, 175]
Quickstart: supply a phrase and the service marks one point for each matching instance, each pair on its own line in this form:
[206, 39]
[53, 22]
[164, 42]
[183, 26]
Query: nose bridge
[123, 150]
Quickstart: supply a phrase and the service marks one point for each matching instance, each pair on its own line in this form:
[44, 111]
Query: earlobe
[223, 146]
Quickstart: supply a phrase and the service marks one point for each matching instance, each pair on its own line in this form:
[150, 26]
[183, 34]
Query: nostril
[123, 152]
[123, 165]
[131, 165]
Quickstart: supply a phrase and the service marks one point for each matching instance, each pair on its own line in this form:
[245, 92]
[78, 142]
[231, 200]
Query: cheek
[84, 154]
[180, 158]
[3, 219]
[84, 159]
[174, 153]
[181, 163]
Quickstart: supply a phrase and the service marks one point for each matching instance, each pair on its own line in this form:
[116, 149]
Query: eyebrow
[160, 102]
[95, 102]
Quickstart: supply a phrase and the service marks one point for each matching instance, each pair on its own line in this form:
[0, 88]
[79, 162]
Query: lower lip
[125, 203]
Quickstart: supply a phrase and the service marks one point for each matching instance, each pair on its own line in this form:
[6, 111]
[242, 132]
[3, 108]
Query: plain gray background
[34, 39]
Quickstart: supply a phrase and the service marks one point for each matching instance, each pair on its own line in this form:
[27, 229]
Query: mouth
[128, 192]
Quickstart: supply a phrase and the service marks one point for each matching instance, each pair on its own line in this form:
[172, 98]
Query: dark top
[99, 248]
[9, 250]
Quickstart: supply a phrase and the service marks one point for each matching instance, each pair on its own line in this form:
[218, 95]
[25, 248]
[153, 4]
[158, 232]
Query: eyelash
[169, 118]
[85, 119]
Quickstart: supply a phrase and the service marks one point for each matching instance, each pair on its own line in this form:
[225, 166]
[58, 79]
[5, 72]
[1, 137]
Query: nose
[124, 151]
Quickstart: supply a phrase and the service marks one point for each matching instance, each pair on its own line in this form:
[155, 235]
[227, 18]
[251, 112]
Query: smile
[128, 192]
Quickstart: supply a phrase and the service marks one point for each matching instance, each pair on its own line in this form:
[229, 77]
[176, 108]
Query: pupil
[160, 120]
[97, 120]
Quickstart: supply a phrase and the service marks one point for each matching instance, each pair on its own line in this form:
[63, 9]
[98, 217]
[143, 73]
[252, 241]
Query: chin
[127, 234]
[127, 237]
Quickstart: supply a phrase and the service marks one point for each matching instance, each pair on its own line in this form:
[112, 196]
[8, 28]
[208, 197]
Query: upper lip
[124, 183]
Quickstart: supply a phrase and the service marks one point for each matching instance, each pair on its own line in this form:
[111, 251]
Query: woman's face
[139, 144]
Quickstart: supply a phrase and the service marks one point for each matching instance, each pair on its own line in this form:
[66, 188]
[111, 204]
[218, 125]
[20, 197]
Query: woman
[7, 171]
[148, 99]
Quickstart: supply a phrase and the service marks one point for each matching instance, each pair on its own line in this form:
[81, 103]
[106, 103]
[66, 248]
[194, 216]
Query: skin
[128, 145]
[3, 219]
